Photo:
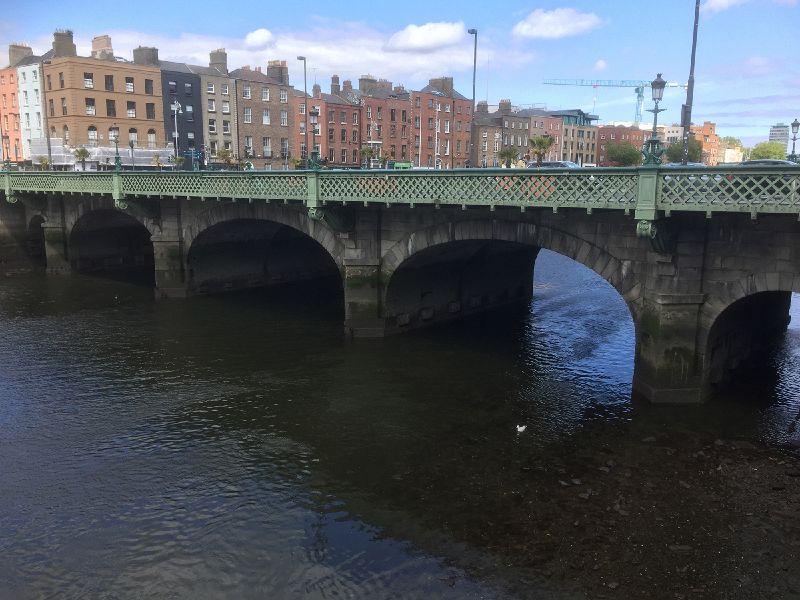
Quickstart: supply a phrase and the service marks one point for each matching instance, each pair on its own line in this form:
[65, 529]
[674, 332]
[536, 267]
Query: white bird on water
[521, 428]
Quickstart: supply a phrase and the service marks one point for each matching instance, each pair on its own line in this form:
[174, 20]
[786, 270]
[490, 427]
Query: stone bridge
[706, 259]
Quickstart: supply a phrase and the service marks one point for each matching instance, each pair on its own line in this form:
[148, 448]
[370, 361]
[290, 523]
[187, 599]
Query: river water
[238, 447]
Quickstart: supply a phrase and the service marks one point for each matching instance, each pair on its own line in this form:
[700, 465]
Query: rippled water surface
[239, 447]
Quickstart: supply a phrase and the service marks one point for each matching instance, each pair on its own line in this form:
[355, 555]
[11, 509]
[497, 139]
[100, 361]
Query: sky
[747, 75]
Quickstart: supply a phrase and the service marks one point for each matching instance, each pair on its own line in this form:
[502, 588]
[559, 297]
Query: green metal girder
[649, 192]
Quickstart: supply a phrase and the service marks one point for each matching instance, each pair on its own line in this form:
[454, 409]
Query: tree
[157, 161]
[540, 146]
[179, 160]
[44, 163]
[367, 153]
[768, 150]
[507, 155]
[674, 152]
[81, 154]
[624, 154]
[226, 156]
[731, 142]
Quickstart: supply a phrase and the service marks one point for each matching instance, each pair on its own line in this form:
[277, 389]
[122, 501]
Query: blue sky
[747, 73]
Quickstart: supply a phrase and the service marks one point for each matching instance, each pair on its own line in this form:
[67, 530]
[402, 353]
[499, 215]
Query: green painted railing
[648, 192]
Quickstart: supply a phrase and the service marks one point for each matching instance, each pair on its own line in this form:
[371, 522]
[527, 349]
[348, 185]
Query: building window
[65, 134]
[331, 134]
[150, 110]
[355, 136]
[151, 139]
[378, 131]
[129, 85]
[246, 92]
[226, 127]
[212, 126]
[131, 110]
[210, 87]
[379, 112]
[266, 147]
[284, 118]
[111, 108]
[284, 147]
[51, 108]
[88, 80]
[64, 107]
[92, 135]
[284, 96]
[61, 79]
[133, 136]
[109, 79]
[187, 89]
[344, 155]
[90, 106]
[212, 105]
[265, 120]
[226, 107]
[265, 94]
[248, 114]
[224, 89]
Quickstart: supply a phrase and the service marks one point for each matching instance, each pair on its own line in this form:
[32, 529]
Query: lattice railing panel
[730, 191]
[497, 187]
[266, 186]
[81, 183]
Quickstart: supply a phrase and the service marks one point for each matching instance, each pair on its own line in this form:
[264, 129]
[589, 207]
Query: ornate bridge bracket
[341, 220]
[144, 209]
[660, 233]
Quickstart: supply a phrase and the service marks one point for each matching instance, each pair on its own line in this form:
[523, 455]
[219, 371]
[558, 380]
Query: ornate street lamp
[117, 158]
[313, 162]
[131, 143]
[652, 148]
[795, 127]
[176, 108]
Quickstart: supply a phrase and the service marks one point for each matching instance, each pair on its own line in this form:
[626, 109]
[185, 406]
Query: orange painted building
[10, 145]
[708, 138]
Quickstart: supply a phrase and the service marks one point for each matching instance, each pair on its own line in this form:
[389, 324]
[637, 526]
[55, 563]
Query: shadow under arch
[35, 242]
[112, 244]
[248, 253]
[743, 335]
[472, 266]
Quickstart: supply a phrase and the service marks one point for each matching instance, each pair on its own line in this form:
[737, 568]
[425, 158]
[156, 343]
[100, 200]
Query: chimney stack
[335, 89]
[145, 55]
[482, 108]
[317, 91]
[347, 85]
[63, 45]
[102, 48]
[218, 59]
[16, 52]
[504, 107]
[277, 69]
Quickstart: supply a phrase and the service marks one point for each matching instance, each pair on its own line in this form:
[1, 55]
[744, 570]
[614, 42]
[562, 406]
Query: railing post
[312, 193]
[646, 203]
[116, 190]
[7, 185]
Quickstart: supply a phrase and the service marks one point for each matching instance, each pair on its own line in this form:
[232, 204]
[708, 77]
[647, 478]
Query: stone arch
[78, 210]
[762, 299]
[298, 220]
[616, 272]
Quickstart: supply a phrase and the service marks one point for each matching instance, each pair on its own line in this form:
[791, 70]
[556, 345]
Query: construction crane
[637, 84]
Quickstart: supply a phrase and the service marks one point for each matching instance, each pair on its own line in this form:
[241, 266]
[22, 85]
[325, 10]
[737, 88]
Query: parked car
[554, 164]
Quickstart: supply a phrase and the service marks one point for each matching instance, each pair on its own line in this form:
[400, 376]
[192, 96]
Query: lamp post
[305, 104]
[176, 108]
[795, 128]
[133, 160]
[117, 158]
[652, 148]
[472, 114]
[314, 160]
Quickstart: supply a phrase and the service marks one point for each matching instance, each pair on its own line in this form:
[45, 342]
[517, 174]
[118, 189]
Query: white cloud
[600, 65]
[558, 23]
[423, 38]
[713, 6]
[258, 39]
[364, 53]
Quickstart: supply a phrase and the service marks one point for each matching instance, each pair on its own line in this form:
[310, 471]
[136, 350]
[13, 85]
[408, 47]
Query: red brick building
[708, 138]
[442, 120]
[614, 134]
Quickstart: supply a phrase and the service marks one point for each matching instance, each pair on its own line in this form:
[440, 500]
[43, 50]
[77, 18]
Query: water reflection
[237, 446]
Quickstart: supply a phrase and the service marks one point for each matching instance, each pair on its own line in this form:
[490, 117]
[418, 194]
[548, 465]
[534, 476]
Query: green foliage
[731, 141]
[157, 161]
[768, 150]
[540, 145]
[507, 155]
[674, 153]
[81, 154]
[226, 156]
[44, 163]
[624, 154]
[179, 160]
